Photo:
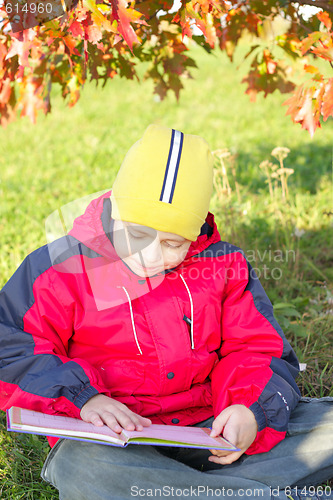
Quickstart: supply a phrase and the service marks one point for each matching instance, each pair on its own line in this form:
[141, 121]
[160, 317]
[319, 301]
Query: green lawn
[76, 152]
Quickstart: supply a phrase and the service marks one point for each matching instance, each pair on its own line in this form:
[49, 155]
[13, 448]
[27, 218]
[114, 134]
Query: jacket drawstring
[132, 318]
[191, 301]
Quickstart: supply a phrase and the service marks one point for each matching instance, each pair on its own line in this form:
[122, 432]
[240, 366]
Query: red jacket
[176, 347]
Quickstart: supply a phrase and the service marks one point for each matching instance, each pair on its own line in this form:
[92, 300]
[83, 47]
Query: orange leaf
[310, 69]
[324, 52]
[303, 109]
[70, 43]
[5, 90]
[98, 17]
[270, 63]
[325, 19]
[305, 114]
[92, 31]
[327, 105]
[310, 40]
[31, 97]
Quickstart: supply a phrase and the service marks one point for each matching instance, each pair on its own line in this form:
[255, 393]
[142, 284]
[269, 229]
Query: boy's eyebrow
[141, 229]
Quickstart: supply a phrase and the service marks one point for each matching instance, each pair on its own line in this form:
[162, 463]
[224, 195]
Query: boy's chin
[144, 272]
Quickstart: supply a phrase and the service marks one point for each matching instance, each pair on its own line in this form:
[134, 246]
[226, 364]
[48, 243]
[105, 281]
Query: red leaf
[125, 16]
[76, 29]
[21, 44]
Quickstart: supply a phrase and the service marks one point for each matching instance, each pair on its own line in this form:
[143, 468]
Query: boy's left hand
[239, 426]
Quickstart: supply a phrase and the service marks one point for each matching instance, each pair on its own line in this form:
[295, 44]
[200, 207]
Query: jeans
[304, 459]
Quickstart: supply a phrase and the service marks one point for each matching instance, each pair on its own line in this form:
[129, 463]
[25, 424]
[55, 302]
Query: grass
[76, 152]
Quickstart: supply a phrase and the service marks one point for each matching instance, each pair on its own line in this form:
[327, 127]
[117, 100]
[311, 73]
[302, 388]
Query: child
[142, 314]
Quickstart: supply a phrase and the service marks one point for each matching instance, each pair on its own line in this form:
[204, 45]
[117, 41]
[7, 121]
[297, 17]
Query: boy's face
[147, 251]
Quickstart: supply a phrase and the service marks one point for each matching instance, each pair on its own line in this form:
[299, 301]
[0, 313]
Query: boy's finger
[219, 423]
[92, 418]
[97, 421]
[145, 421]
[139, 421]
[128, 419]
[227, 460]
[221, 453]
[111, 421]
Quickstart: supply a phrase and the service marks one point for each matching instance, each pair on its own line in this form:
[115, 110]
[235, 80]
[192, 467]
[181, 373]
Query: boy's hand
[101, 409]
[239, 426]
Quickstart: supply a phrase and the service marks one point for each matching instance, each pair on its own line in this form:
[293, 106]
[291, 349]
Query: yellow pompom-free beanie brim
[165, 182]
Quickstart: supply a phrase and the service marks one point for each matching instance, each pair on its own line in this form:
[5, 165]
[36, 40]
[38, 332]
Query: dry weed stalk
[267, 166]
[280, 153]
[221, 180]
[274, 173]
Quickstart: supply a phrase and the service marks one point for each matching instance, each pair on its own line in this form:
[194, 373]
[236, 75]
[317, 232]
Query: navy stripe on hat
[172, 166]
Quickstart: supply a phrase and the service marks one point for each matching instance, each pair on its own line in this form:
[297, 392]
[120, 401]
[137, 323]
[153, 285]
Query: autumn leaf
[125, 16]
[76, 29]
[21, 44]
[70, 43]
[270, 63]
[73, 90]
[5, 90]
[98, 18]
[301, 109]
[309, 41]
[309, 68]
[326, 52]
[325, 19]
[184, 22]
[327, 105]
[31, 100]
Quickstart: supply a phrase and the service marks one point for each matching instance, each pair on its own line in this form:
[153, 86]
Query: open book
[33, 422]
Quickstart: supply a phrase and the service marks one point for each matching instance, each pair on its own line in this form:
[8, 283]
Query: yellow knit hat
[165, 182]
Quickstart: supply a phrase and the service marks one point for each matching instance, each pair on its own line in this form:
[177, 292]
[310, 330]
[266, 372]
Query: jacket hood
[93, 229]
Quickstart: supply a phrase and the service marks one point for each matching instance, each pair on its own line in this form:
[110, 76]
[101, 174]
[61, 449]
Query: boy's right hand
[101, 409]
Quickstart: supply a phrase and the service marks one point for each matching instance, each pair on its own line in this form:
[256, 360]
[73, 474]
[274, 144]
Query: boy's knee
[72, 465]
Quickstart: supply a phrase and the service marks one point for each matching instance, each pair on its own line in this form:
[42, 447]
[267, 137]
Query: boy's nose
[152, 255]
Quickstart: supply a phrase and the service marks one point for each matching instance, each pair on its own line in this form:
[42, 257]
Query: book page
[180, 435]
[25, 419]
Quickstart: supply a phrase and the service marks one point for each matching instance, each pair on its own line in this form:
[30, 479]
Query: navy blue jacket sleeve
[35, 328]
